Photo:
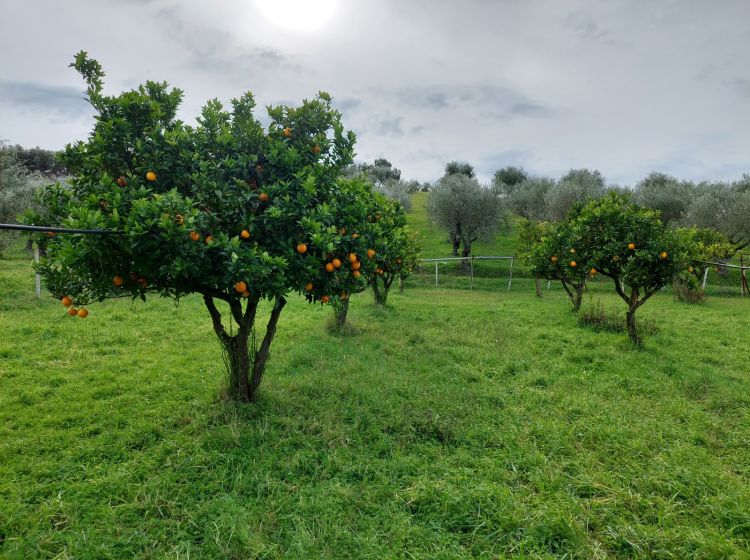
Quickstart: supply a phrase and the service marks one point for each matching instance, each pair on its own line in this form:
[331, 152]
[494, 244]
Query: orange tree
[560, 255]
[346, 258]
[394, 249]
[630, 245]
[226, 209]
[704, 245]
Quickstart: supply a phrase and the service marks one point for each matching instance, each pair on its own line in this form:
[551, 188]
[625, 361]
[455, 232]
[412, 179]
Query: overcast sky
[622, 86]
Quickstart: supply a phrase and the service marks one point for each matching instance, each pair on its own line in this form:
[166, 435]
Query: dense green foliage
[560, 254]
[225, 209]
[434, 434]
[630, 245]
[18, 186]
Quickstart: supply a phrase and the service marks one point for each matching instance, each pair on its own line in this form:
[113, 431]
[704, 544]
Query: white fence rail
[471, 260]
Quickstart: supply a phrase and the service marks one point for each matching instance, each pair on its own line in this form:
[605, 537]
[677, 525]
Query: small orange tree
[630, 245]
[394, 249]
[560, 255]
[346, 257]
[703, 245]
[225, 209]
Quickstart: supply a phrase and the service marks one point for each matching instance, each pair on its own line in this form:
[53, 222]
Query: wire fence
[464, 265]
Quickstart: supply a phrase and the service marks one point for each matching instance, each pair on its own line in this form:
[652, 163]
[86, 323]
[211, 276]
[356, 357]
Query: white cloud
[622, 86]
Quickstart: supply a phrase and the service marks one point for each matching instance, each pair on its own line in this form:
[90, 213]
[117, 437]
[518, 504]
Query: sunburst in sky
[299, 15]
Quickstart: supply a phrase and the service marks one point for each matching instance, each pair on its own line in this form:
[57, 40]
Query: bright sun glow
[299, 15]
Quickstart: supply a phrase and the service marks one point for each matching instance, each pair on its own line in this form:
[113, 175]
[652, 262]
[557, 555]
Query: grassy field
[456, 424]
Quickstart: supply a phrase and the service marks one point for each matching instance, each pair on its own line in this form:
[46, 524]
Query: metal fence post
[436, 273]
[37, 278]
[510, 280]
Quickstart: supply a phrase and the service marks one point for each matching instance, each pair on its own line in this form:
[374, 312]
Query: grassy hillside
[455, 425]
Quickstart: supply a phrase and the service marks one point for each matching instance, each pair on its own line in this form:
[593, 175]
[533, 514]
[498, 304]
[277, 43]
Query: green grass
[456, 424]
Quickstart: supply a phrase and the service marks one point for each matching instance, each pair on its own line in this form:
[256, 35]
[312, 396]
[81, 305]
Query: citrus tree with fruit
[704, 245]
[346, 260]
[227, 209]
[560, 255]
[630, 245]
[394, 249]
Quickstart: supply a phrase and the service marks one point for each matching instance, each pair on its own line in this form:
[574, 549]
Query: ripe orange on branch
[195, 236]
[573, 264]
[370, 253]
[329, 267]
[336, 263]
[240, 287]
[288, 132]
[118, 281]
[151, 176]
[244, 234]
[553, 258]
[122, 181]
[352, 258]
[631, 246]
[263, 197]
[301, 248]
[308, 287]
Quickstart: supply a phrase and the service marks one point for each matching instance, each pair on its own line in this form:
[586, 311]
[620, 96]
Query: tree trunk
[381, 292]
[401, 283]
[538, 286]
[633, 305]
[632, 328]
[465, 253]
[580, 289]
[245, 365]
[456, 245]
[261, 356]
[340, 311]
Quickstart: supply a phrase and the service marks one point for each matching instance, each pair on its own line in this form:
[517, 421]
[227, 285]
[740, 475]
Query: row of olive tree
[18, 186]
[386, 179]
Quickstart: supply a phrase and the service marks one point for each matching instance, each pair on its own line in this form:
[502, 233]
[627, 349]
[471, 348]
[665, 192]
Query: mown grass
[456, 424]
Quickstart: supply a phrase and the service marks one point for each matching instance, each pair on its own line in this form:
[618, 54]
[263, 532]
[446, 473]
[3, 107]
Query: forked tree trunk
[575, 294]
[381, 285]
[538, 286]
[634, 301]
[245, 363]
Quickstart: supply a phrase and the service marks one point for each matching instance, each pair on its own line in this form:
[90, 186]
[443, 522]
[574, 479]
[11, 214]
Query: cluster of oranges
[241, 288]
[72, 311]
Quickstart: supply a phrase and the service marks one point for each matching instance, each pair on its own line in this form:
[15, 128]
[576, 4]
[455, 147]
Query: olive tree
[666, 194]
[578, 186]
[724, 208]
[17, 189]
[466, 210]
[227, 209]
[507, 179]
